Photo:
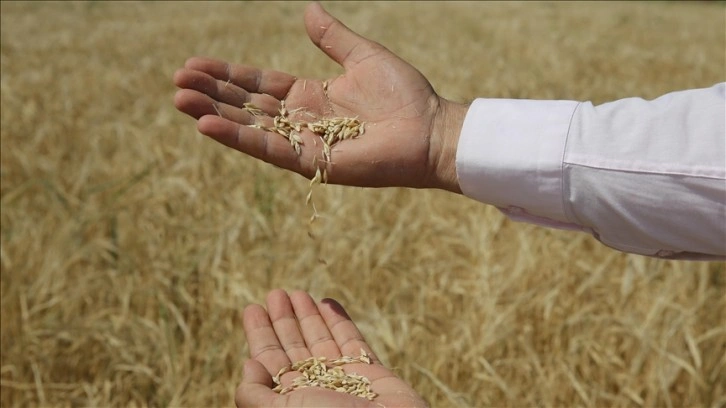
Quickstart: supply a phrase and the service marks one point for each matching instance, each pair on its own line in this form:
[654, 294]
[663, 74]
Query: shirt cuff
[510, 155]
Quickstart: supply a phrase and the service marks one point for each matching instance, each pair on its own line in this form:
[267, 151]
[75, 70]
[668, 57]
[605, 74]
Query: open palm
[397, 103]
[294, 328]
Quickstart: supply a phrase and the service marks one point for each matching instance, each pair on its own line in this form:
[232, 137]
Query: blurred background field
[130, 243]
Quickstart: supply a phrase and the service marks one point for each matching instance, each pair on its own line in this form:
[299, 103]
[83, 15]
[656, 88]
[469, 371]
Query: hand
[410, 134]
[295, 328]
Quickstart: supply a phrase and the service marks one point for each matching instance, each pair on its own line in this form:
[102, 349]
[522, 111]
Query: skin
[410, 140]
[411, 133]
[295, 327]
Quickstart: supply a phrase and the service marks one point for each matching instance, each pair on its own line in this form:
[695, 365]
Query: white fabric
[646, 177]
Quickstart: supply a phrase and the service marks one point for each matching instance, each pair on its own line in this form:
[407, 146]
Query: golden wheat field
[130, 242]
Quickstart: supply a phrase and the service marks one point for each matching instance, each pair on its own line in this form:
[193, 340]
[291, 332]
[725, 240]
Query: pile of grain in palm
[330, 130]
[318, 372]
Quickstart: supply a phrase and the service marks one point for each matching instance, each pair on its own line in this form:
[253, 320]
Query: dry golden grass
[130, 242]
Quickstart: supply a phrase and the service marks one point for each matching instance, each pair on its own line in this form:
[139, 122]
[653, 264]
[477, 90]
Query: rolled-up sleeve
[646, 177]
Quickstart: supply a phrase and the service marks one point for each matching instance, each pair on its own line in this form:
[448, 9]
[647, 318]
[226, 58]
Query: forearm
[642, 176]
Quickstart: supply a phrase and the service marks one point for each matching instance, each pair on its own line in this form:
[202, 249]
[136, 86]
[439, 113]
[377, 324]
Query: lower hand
[294, 328]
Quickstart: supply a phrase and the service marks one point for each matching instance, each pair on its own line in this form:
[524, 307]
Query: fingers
[197, 104]
[285, 323]
[263, 343]
[255, 389]
[316, 333]
[344, 331]
[222, 91]
[335, 39]
[249, 78]
[296, 328]
[221, 116]
[257, 143]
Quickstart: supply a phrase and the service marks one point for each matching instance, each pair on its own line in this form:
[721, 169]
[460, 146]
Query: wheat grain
[330, 131]
[214, 105]
[318, 372]
[253, 110]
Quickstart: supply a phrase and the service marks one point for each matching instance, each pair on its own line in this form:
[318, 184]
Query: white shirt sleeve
[647, 177]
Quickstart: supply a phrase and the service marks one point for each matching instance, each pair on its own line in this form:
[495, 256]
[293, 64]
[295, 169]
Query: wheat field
[130, 243]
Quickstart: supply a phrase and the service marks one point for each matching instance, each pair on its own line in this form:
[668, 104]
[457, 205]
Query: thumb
[255, 389]
[335, 39]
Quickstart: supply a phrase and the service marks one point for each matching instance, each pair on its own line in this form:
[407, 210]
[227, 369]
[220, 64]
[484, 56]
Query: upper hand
[410, 133]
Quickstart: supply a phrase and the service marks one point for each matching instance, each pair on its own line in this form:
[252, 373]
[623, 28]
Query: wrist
[445, 131]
